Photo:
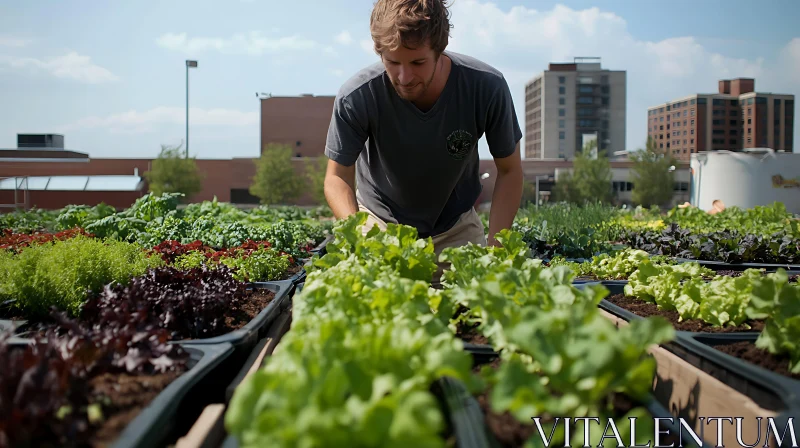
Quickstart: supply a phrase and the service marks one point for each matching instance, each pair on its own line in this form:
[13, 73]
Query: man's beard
[425, 85]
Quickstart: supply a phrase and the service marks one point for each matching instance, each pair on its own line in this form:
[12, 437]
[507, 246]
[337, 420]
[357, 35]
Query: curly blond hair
[410, 23]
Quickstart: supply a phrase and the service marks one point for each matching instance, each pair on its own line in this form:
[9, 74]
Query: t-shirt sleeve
[502, 128]
[347, 132]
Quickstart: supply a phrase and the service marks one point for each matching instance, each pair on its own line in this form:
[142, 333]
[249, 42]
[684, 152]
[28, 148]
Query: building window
[761, 100]
[732, 141]
[562, 101]
[691, 112]
[684, 122]
[733, 113]
[733, 122]
[661, 128]
[684, 132]
[691, 102]
[605, 101]
[562, 113]
[604, 79]
[661, 110]
[749, 121]
[692, 122]
[749, 131]
[561, 135]
[749, 111]
[585, 100]
[701, 101]
[749, 101]
[562, 79]
[585, 111]
[561, 123]
[692, 132]
[716, 122]
[733, 132]
[691, 141]
[718, 102]
[585, 89]
[662, 119]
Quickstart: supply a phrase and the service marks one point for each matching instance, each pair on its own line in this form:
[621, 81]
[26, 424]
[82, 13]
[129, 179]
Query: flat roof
[73, 183]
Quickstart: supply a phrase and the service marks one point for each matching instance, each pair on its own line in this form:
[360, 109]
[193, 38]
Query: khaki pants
[468, 229]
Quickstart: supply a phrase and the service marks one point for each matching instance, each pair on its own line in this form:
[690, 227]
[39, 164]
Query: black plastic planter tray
[157, 422]
[320, 249]
[722, 266]
[262, 350]
[766, 389]
[481, 353]
[770, 388]
[299, 276]
[472, 415]
[244, 339]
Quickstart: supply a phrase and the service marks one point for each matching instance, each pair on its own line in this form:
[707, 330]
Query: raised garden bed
[694, 374]
[127, 408]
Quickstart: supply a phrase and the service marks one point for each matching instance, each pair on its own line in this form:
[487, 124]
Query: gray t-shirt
[422, 168]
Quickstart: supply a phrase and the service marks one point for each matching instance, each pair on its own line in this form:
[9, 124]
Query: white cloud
[252, 43]
[344, 38]
[71, 66]
[337, 72]
[791, 53]
[368, 46]
[139, 122]
[522, 41]
[7, 41]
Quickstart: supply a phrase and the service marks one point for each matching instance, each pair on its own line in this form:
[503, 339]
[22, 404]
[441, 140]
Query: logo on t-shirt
[459, 144]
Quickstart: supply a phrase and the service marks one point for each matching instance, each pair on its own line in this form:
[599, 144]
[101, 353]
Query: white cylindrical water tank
[746, 179]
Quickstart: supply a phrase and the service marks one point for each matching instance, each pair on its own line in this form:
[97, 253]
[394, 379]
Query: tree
[173, 172]
[590, 180]
[315, 173]
[276, 181]
[652, 175]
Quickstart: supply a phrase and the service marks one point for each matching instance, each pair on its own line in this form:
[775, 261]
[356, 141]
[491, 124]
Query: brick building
[735, 118]
[299, 121]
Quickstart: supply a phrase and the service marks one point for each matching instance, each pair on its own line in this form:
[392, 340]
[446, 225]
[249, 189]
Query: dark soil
[511, 433]
[292, 271]
[471, 335]
[128, 395]
[255, 301]
[748, 351]
[646, 309]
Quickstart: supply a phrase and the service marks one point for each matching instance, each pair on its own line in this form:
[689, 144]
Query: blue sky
[110, 75]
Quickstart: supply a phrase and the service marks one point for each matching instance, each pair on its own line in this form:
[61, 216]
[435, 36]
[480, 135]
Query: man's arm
[340, 189]
[507, 194]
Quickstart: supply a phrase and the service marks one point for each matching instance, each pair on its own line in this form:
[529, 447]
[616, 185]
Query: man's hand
[340, 189]
[507, 194]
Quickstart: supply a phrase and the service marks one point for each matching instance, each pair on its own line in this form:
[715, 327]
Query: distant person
[411, 124]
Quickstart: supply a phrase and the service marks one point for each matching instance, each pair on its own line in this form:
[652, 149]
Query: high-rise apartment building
[571, 103]
[737, 117]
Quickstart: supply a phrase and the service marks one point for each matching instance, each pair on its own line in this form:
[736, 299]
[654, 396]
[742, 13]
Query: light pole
[188, 64]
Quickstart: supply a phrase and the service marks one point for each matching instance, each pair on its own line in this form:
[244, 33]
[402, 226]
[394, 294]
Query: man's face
[411, 70]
